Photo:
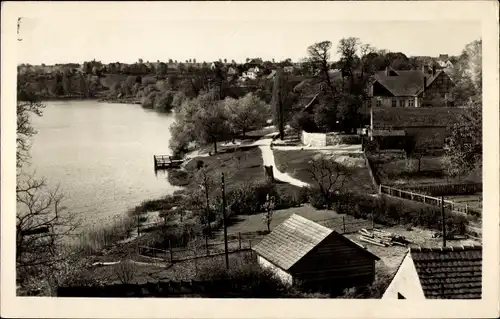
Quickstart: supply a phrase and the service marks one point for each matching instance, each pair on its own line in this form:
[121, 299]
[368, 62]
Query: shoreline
[100, 99]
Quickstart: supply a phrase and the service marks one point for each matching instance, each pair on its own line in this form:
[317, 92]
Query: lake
[101, 155]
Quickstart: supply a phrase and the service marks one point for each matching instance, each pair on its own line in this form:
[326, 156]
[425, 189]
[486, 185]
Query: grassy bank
[296, 163]
[395, 169]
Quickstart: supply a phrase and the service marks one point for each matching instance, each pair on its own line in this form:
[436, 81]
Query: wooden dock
[166, 161]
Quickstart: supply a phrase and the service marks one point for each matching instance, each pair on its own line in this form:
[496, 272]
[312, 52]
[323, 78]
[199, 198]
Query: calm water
[101, 155]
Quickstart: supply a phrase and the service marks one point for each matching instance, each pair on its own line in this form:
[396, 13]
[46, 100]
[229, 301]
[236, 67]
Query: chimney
[433, 70]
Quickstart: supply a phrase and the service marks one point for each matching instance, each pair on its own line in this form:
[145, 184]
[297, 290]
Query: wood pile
[382, 238]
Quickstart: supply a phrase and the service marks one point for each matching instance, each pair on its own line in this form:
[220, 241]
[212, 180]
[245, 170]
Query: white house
[438, 273]
[252, 73]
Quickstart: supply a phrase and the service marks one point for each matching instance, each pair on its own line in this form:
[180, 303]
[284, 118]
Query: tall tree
[280, 100]
[319, 56]
[246, 113]
[347, 49]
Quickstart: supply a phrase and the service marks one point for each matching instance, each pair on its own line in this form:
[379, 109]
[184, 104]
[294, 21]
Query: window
[401, 103]
[394, 101]
[400, 296]
[379, 103]
[411, 103]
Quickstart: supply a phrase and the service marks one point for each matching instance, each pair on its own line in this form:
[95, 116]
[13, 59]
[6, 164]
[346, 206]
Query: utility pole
[224, 219]
[443, 221]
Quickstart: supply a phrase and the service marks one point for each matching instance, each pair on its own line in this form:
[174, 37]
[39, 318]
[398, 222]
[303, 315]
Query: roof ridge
[295, 215]
[447, 248]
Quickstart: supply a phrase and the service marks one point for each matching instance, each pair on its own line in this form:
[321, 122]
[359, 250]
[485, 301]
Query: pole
[343, 224]
[443, 221]
[208, 209]
[239, 240]
[171, 252]
[224, 219]
[206, 245]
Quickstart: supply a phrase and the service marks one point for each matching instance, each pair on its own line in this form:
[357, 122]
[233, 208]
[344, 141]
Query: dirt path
[264, 145]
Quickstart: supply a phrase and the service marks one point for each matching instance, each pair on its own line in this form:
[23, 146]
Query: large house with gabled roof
[410, 88]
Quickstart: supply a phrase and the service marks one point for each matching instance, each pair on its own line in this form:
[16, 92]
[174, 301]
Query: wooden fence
[167, 288]
[408, 194]
[177, 254]
[448, 189]
[342, 226]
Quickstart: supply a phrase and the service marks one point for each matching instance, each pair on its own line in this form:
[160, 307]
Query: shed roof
[449, 272]
[290, 241]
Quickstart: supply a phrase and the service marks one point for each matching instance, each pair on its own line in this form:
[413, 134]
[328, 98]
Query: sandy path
[264, 145]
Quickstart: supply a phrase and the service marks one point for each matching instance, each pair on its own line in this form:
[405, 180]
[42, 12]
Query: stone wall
[328, 139]
[314, 139]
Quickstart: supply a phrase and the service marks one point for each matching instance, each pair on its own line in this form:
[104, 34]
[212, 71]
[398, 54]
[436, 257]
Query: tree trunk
[419, 161]
[208, 212]
[215, 146]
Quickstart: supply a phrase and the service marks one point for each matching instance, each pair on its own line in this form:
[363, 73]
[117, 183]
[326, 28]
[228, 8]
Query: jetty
[166, 161]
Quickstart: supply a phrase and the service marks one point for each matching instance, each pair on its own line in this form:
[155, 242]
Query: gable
[441, 84]
[380, 90]
[405, 282]
[338, 252]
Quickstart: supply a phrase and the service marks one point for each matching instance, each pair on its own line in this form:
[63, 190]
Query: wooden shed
[302, 252]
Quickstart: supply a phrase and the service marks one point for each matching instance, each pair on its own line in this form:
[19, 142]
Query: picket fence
[426, 199]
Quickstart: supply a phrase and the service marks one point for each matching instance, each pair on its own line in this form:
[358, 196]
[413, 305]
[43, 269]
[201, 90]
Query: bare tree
[269, 206]
[27, 104]
[125, 271]
[347, 49]
[41, 225]
[328, 176]
[206, 184]
[319, 56]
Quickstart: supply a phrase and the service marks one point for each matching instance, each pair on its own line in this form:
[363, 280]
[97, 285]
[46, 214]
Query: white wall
[284, 276]
[405, 282]
[314, 139]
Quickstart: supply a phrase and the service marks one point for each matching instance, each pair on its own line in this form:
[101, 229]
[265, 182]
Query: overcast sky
[76, 39]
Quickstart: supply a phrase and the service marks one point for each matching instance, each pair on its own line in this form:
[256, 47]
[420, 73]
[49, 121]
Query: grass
[392, 169]
[295, 163]
[239, 167]
[95, 240]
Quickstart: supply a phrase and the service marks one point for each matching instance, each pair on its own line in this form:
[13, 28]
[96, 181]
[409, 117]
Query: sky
[76, 40]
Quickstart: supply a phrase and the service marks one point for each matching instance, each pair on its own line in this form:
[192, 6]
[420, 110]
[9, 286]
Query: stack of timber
[382, 238]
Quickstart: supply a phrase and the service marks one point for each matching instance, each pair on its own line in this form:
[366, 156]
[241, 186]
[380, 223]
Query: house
[428, 126]
[445, 64]
[288, 69]
[302, 252]
[413, 88]
[252, 73]
[438, 273]
[232, 71]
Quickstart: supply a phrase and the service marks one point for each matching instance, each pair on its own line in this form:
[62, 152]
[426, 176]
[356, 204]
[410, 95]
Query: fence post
[343, 223]
[380, 189]
[206, 245]
[466, 208]
[239, 241]
[171, 252]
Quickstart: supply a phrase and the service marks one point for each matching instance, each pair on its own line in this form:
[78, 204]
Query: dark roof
[290, 241]
[406, 82]
[449, 272]
[403, 117]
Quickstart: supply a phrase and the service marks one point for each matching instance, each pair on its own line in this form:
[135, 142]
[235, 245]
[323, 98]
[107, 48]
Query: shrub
[125, 271]
[244, 279]
[391, 211]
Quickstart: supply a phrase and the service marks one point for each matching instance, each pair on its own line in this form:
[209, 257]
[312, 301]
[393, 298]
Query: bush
[392, 211]
[244, 279]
